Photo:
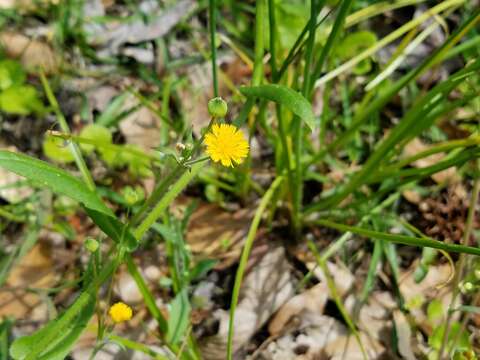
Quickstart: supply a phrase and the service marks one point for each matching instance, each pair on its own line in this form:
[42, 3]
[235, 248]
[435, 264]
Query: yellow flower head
[225, 143]
[120, 312]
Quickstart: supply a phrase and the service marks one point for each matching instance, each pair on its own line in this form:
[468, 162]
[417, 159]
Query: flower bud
[217, 107]
[91, 244]
[180, 147]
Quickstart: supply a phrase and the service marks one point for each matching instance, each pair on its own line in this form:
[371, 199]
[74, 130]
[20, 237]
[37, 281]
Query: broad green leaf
[456, 336]
[179, 318]
[65, 335]
[352, 45]
[435, 310]
[57, 150]
[292, 100]
[97, 133]
[115, 229]
[11, 73]
[20, 100]
[58, 180]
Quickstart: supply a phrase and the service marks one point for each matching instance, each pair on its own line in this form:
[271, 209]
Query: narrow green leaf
[179, 318]
[402, 239]
[115, 229]
[58, 180]
[292, 100]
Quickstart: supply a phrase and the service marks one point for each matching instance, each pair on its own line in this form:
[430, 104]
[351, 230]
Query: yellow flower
[225, 143]
[120, 312]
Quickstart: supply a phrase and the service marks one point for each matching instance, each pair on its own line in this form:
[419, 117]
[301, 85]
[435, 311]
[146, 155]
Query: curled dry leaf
[342, 277]
[264, 290]
[374, 317]
[312, 300]
[306, 341]
[33, 54]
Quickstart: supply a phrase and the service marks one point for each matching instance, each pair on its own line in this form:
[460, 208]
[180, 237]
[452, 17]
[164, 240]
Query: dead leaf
[141, 127]
[133, 32]
[312, 300]
[346, 347]
[25, 5]
[445, 176]
[267, 287]
[374, 317]
[404, 335]
[33, 271]
[418, 295]
[342, 277]
[33, 54]
[306, 341]
[216, 233]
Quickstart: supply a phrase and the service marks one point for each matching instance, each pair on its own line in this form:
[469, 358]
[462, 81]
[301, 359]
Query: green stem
[244, 258]
[65, 128]
[332, 38]
[213, 24]
[147, 295]
[461, 265]
[137, 347]
[167, 198]
[273, 37]
[257, 75]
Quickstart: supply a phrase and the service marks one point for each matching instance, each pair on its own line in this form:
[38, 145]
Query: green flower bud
[217, 107]
[91, 244]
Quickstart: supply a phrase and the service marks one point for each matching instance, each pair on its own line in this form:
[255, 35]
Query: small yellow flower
[225, 143]
[120, 312]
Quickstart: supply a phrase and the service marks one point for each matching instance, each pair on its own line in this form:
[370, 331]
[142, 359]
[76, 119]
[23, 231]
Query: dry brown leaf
[445, 176]
[25, 5]
[346, 347]
[404, 335]
[306, 341]
[267, 287]
[34, 271]
[342, 277]
[33, 54]
[141, 127]
[374, 317]
[312, 300]
[216, 233]
[418, 295]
